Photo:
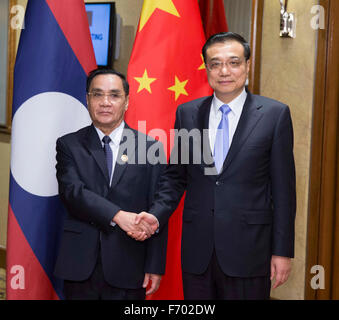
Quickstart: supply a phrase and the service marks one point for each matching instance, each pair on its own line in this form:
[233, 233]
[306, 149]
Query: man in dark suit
[101, 183]
[239, 212]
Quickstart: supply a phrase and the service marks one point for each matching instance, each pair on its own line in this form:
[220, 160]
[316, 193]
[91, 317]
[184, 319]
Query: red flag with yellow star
[166, 69]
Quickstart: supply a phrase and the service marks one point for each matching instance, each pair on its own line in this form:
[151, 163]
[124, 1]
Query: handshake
[138, 226]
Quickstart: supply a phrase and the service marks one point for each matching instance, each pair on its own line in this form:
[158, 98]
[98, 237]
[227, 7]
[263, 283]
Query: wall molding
[256, 40]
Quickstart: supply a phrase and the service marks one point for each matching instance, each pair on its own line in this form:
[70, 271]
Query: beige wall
[4, 184]
[287, 75]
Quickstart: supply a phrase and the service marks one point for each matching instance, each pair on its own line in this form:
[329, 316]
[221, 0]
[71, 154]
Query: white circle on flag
[36, 125]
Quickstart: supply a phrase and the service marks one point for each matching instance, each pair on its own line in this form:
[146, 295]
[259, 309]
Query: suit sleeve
[172, 184]
[157, 244]
[79, 201]
[282, 171]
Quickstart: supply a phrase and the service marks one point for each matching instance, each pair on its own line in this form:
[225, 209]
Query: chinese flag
[213, 16]
[166, 69]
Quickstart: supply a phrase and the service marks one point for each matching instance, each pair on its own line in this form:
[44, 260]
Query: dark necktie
[109, 154]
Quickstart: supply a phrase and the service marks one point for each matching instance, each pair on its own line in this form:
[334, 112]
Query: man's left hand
[155, 282]
[280, 270]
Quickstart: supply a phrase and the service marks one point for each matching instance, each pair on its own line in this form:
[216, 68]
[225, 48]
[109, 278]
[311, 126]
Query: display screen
[100, 22]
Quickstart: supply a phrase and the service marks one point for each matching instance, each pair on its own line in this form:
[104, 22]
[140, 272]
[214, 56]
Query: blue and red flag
[54, 57]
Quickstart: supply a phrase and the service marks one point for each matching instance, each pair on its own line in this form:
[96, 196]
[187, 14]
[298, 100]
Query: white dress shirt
[115, 136]
[114, 145]
[236, 107]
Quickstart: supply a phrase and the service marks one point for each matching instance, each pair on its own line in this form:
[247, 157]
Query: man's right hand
[142, 219]
[126, 221]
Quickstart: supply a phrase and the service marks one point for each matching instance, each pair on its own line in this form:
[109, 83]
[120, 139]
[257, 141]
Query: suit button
[218, 183]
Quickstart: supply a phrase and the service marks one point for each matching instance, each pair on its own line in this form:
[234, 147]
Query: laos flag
[54, 57]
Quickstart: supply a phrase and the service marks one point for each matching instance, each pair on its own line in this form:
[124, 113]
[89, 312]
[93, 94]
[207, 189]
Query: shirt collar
[235, 105]
[115, 135]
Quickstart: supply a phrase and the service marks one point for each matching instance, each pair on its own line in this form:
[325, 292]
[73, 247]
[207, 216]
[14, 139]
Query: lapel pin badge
[124, 158]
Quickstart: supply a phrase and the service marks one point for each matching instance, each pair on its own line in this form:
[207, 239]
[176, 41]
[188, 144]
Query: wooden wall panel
[323, 222]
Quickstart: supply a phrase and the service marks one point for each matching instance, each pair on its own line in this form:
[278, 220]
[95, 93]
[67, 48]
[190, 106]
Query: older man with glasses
[238, 223]
[102, 184]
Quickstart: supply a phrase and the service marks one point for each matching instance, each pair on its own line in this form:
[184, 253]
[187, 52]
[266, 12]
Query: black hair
[100, 71]
[224, 37]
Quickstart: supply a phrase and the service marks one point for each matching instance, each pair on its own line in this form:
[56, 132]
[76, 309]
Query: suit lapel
[93, 144]
[202, 121]
[202, 115]
[126, 153]
[248, 120]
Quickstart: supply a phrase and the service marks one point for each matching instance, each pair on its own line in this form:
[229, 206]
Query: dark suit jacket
[91, 204]
[247, 212]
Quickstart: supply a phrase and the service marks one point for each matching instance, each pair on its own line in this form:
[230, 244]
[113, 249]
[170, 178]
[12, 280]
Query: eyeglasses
[112, 97]
[218, 65]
